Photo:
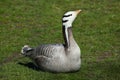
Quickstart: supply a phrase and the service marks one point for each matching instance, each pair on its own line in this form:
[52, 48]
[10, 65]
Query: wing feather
[48, 50]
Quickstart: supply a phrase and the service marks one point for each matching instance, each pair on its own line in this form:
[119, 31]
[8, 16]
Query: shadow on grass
[34, 67]
[31, 66]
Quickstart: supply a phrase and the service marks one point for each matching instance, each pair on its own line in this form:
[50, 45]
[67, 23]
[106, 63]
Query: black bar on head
[64, 21]
[67, 15]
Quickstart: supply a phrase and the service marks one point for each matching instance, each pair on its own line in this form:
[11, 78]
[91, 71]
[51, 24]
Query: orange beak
[78, 11]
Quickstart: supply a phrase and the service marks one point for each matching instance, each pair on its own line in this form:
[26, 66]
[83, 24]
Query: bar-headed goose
[58, 57]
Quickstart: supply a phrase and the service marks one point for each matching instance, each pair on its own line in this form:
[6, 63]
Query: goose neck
[68, 36]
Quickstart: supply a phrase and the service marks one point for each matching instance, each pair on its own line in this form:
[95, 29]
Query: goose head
[69, 17]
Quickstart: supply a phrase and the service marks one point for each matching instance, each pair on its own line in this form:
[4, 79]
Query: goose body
[58, 57]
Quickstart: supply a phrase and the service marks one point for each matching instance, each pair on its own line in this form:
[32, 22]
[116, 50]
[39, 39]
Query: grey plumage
[47, 49]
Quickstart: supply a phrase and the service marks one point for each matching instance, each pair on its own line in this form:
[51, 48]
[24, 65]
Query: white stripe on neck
[67, 25]
[66, 33]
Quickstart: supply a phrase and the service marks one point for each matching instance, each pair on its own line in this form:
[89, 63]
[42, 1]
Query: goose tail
[26, 49]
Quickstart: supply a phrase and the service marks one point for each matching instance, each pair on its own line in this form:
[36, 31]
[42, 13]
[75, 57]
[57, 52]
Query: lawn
[34, 22]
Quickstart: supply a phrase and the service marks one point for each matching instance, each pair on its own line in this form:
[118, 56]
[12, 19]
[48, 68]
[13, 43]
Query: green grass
[34, 22]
